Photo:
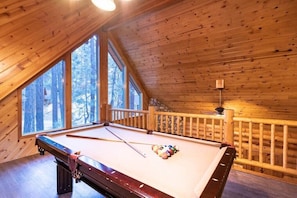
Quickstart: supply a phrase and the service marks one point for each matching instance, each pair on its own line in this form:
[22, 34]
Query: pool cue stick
[104, 139]
[135, 149]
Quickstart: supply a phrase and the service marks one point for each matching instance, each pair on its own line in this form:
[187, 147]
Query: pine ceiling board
[244, 42]
[147, 34]
[44, 35]
[136, 9]
[13, 10]
[52, 22]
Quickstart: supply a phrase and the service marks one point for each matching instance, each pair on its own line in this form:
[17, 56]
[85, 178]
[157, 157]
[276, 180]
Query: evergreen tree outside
[39, 98]
[43, 100]
[134, 96]
[28, 109]
[115, 84]
[84, 67]
[41, 103]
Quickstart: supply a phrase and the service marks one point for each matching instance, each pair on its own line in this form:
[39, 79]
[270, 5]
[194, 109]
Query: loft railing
[266, 143]
[129, 117]
[262, 145]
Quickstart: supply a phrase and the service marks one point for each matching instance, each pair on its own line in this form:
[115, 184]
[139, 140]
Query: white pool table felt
[184, 174]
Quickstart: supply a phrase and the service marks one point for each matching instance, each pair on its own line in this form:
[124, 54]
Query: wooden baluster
[191, 127]
[261, 143]
[178, 125]
[221, 130]
[272, 146]
[197, 129]
[184, 126]
[240, 140]
[166, 123]
[172, 125]
[250, 140]
[204, 128]
[285, 146]
[212, 129]
[139, 120]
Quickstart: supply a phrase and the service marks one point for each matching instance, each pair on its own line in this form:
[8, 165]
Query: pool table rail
[112, 183]
[97, 175]
[102, 178]
[45, 143]
[216, 184]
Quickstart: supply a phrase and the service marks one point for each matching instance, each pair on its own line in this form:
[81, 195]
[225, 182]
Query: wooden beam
[103, 75]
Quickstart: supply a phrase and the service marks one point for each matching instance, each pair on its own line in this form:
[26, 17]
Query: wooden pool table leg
[64, 178]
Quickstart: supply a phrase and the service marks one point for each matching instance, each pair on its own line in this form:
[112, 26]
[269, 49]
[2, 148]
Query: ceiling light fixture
[107, 5]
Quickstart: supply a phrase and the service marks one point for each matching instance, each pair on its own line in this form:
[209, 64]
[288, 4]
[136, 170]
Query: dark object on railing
[220, 110]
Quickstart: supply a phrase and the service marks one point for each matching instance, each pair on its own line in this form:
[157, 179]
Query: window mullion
[68, 94]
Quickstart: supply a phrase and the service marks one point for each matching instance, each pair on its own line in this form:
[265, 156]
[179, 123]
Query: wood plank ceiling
[178, 48]
[34, 33]
[179, 52]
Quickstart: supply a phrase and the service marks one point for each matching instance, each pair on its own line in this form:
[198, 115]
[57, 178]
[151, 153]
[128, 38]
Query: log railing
[263, 145]
[129, 117]
[266, 143]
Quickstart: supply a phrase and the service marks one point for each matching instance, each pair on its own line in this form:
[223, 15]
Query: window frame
[97, 51]
[19, 96]
[127, 74]
[67, 90]
[104, 44]
[135, 86]
[122, 78]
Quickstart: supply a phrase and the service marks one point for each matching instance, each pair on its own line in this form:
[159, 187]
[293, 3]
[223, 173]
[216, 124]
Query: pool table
[119, 161]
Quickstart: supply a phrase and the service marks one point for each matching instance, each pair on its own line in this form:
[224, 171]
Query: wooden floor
[35, 176]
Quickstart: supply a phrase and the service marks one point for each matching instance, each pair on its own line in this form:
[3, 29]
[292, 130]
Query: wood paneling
[180, 51]
[35, 33]
[11, 147]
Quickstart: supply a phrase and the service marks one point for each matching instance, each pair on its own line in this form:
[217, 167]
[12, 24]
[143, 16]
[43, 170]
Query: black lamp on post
[220, 87]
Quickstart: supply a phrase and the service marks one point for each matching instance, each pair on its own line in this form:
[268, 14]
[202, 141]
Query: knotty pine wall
[11, 146]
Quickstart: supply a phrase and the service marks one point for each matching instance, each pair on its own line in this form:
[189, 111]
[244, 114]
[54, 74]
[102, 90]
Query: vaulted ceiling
[177, 48]
[34, 33]
[180, 51]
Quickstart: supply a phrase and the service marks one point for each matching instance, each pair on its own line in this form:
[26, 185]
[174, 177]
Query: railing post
[229, 126]
[151, 119]
[104, 113]
[103, 109]
[108, 113]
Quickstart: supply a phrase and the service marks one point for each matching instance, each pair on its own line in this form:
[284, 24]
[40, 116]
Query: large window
[115, 84]
[43, 101]
[84, 67]
[134, 96]
[45, 105]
